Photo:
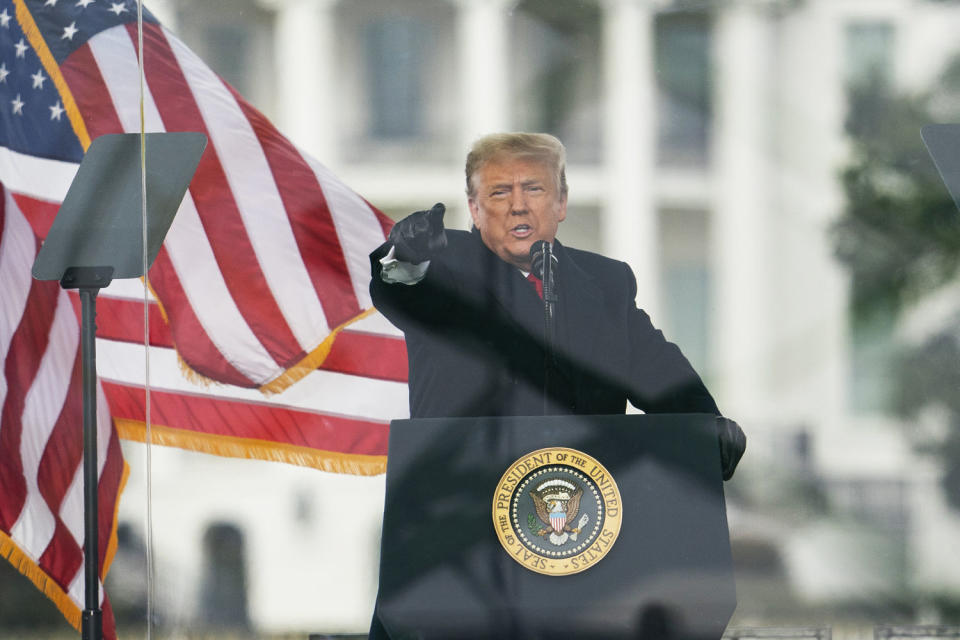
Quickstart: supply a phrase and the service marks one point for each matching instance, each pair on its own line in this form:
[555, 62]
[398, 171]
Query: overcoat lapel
[578, 299]
[514, 300]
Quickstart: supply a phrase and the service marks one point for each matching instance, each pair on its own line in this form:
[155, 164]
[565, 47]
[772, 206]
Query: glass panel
[758, 165]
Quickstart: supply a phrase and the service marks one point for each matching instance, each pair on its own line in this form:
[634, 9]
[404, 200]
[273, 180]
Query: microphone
[543, 263]
[536, 257]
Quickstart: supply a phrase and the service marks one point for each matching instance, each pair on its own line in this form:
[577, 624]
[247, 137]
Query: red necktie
[537, 282]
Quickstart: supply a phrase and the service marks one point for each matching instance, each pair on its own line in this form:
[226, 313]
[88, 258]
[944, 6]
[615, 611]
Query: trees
[899, 235]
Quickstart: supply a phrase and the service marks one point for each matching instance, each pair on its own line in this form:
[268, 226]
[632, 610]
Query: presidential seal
[557, 511]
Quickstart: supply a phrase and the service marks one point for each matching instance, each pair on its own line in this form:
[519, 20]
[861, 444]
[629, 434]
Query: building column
[810, 301]
[629, 217]
[484, 68]
[740, 163]
[305, 39]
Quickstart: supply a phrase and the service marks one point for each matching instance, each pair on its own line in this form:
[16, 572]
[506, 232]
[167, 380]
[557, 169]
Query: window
[236, 40]
[686, 282]
[684, 105]
[868, 52]
[873, 353]
[396, 79]
[394, 76]
[556, 78]
[223, 590]
[881, 502]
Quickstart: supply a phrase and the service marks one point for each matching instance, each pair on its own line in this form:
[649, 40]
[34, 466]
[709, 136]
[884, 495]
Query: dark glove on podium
[733, 442]
[419, 236]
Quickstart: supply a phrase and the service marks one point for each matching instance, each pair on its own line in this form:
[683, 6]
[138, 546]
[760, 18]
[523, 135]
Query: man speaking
[479, 339]
[470, 305]
[504, 320]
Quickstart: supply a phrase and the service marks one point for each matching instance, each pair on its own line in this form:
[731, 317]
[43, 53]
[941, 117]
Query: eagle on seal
[557, 503]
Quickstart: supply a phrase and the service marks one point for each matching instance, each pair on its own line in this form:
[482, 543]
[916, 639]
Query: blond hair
[541, 147]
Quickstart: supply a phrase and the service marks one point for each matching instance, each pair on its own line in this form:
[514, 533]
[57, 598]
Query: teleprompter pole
[92, 615]
[89, 280]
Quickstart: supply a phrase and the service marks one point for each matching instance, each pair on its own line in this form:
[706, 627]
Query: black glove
[732, 444]
[419, 236]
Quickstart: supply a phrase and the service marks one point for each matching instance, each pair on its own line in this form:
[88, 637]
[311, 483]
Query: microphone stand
[544, 263]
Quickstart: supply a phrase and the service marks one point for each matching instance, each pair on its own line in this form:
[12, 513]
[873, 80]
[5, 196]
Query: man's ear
[474, 210]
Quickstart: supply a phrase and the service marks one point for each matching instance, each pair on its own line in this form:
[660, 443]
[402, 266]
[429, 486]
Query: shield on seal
[557, 520]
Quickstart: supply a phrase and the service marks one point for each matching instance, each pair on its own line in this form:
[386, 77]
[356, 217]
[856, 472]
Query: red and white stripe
[268, 252]
[267, 256]
[344, 407]
[41, 447]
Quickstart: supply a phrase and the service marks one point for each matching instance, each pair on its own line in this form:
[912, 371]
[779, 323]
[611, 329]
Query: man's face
[516, 202]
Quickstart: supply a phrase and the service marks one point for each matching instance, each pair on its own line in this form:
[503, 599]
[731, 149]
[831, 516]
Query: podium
[464, 555]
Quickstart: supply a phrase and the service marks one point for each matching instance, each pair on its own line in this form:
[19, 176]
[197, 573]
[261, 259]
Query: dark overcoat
[475, 337]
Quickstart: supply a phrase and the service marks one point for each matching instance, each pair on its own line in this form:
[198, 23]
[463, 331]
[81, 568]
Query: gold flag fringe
[32, 32]
[26, 565]
[185, 370]
[254, 449]
[191, 375]
[313, 360]
[293, 374]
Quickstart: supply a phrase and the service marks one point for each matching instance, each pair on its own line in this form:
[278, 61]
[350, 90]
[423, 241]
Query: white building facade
[705, 141]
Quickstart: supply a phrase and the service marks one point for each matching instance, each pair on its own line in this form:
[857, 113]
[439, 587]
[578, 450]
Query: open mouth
[521, 230]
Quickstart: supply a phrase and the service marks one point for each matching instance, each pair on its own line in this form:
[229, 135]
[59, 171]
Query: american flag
[262, 282]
